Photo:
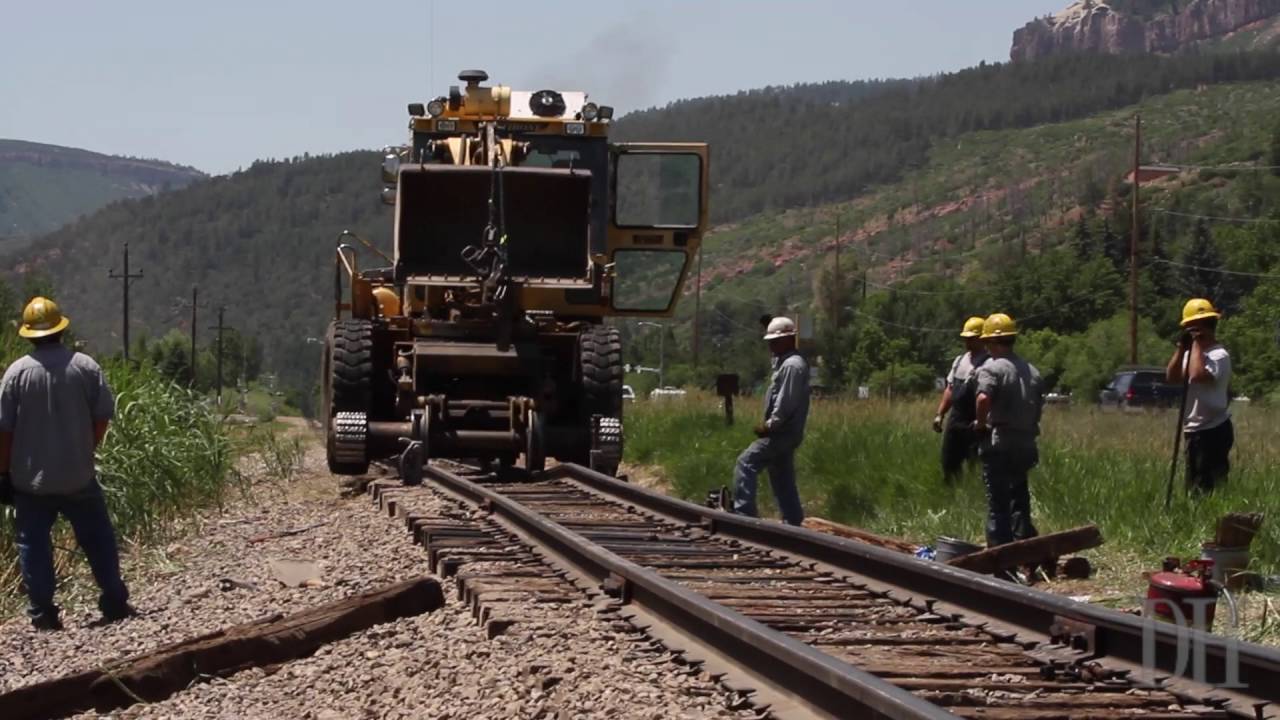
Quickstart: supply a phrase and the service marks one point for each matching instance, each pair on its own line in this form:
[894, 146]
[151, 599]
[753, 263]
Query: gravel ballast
[561, 662]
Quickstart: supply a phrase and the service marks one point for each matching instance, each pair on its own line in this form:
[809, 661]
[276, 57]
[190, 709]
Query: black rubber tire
[350, 379]
[600, 361]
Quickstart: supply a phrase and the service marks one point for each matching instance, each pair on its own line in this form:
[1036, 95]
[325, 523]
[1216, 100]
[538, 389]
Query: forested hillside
[44, 186]
[1033, 222]
[976, 181]
[778, 149]
[260, 242]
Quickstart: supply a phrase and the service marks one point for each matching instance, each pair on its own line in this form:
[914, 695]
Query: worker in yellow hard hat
[1203, 366]
[1010, 399]
[957, 407]
[55, 406]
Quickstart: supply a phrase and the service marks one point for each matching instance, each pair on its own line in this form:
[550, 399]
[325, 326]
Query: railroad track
[811, 625]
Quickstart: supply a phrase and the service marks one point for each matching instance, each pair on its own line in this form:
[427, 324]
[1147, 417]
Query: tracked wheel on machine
[349, 395]
[600, 359]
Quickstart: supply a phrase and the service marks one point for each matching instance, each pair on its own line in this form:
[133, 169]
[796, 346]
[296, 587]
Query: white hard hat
[780, 327]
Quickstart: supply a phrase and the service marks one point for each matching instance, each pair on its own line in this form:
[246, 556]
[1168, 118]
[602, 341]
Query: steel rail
[791, 668]
[1240, 669]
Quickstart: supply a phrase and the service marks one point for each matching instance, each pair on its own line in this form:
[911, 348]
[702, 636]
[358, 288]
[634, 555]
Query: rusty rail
[842, 629]
[1138, 642]
[815, 679]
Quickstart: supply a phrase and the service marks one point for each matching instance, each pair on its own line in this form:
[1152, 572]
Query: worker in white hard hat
[786, 409]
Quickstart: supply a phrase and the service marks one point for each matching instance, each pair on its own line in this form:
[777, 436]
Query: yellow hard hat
[42, 318]
[1198, 309]
[972, 327]
[999, 325]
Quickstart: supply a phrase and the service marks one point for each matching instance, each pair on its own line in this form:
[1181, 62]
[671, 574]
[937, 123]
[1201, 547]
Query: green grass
[874, 465]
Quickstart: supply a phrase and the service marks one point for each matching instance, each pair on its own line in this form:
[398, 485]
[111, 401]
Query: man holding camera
[1203, 366]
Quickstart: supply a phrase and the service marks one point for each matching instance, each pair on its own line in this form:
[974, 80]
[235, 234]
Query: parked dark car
[1139, 388]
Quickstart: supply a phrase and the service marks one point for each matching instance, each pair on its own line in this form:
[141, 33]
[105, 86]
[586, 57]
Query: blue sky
[217, 85]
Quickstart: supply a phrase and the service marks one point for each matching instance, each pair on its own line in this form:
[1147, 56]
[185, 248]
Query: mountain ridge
[44, 186]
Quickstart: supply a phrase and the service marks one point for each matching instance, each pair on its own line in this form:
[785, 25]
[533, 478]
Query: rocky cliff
[1127, 27]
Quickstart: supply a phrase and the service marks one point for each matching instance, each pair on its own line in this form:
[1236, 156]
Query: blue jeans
[778, 456]
[87, 513]
[1004, 472]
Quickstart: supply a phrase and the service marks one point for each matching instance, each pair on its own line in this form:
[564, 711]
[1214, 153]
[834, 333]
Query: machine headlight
[590, 112]
[446, 125]
[435, 107]
[575, 128]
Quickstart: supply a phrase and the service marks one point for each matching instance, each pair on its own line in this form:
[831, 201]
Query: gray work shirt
[787, 404]
[1017, 398]
[50, 400]
[1207, 403]
[962, 378]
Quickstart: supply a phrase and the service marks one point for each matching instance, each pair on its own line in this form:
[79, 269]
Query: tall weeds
[166, 456]
[876, 465]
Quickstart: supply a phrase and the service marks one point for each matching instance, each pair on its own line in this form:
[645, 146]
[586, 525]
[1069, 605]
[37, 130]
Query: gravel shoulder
[562, 663]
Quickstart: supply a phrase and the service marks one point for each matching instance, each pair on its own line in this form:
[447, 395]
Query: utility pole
[662, 350]
[697, 309]
[1133, 242]
[195, 297]
[220, 327]
[864, 285]
[835, 289]
[124, 278]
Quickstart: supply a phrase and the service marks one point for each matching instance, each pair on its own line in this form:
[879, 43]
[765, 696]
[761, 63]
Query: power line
[1218, 218]
[891, 323]
[1220, 271]
[909, 291]
[732, 321]
[1219, 167]
[1020, 319]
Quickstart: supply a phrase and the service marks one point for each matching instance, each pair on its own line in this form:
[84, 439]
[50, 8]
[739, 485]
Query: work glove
[761, 430]
[6, 489]
[937, 423]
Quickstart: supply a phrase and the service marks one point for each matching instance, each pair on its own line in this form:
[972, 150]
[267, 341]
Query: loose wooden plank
[157, 674]
[853, 533]
[1236, 530]
[1034, 551]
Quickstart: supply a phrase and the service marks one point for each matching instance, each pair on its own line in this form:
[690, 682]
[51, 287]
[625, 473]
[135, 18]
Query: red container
[1168, 590]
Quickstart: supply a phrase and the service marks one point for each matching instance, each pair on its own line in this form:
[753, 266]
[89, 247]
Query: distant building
[1149, 173]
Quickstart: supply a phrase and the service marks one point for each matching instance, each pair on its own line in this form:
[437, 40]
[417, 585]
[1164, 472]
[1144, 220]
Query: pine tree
[1082, 239]
[1114, 247]
[1201, 260]
[1275, 151]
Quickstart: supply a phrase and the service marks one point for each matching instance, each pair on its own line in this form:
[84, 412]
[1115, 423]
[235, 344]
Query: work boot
[117, 614]
[46, 622]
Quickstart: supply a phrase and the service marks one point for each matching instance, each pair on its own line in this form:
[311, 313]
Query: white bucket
[1228, 563]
